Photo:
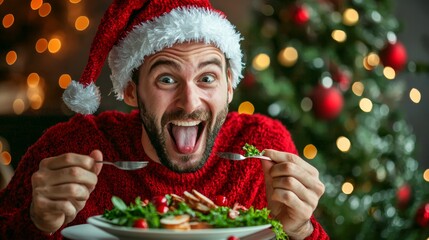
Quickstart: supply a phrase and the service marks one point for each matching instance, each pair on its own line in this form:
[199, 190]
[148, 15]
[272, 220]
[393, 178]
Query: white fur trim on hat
[178, 26]
[82, 99]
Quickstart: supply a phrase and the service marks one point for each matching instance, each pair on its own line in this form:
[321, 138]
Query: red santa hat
[133, 29]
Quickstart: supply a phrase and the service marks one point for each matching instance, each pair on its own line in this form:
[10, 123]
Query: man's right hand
[61, 187]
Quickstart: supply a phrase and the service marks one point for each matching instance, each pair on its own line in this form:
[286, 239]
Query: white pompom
[82, 99]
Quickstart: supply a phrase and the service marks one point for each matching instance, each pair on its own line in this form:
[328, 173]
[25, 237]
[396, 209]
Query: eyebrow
[213, 61]
[164, 62]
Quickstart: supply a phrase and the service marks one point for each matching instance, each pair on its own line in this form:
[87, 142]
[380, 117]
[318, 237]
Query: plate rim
[99, 222]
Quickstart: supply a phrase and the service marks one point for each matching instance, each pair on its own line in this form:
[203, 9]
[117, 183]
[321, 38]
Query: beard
[157, 135]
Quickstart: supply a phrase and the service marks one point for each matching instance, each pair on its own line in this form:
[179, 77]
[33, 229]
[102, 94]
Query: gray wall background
[415, 35]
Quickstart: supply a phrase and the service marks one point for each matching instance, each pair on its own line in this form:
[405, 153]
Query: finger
[63, 176]
[69, 191]
[288, 169]
[97, 155]
[296, 167]
[266, 167]
[45, 208]
[295, 186]
[279, 157]
[67, 160]
[298, 208]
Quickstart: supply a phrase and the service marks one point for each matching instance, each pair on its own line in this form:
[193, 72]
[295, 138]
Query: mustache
[198, 115]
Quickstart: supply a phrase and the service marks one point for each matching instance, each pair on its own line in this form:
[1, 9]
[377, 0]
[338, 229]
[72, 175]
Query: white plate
[86, 231]
[161, 234]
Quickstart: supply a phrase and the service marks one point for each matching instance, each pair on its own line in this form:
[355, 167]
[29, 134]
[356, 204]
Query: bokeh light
[389, 73]
[350, 17]
[64, 81]
[261, 62]
[6, 158]
[18, 106]
[74, 1]
[339, 36]
[81, 23]
[8, 20]
[371, 61]
[54, 45]
[11, 57]
[246, 108]
[310, 151]
[306, 104]
[45, 9]
[36, 4]
[288, 56]
[347, 188]
[358, 88]
[426, 175]
[343, 144]
[33, 80]
[415, 95]
[36, 101]
[41, 45]
[365, 105]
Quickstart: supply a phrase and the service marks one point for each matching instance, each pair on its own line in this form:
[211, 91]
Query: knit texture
[118, 136]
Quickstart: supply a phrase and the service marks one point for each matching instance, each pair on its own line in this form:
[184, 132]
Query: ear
[130, 94]
[230, 89]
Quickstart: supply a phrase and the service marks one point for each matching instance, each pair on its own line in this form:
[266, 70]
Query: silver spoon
[126, 165]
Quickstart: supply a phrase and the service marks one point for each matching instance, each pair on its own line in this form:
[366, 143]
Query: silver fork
[126, 165]
[239, 157]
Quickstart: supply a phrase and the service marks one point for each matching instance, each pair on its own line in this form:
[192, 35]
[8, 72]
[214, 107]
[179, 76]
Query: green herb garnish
[251, 150]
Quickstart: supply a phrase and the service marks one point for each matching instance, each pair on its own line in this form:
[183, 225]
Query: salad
[193, 210]
[251, 150]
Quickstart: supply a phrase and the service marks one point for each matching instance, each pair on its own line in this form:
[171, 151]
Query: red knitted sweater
[118, 136]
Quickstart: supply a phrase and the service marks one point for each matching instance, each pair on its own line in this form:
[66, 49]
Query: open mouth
[186, 134]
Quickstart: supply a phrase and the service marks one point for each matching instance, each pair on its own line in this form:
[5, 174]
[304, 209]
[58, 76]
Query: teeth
[186, 124]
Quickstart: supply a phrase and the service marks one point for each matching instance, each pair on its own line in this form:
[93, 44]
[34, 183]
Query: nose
[189, 98]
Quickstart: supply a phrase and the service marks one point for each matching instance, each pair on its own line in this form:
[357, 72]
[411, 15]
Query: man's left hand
[293, 191]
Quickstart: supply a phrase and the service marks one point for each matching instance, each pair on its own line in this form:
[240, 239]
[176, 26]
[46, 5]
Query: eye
[167, 80]
[208, 79]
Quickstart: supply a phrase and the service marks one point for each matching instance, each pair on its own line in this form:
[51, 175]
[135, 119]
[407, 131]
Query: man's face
[183, 94]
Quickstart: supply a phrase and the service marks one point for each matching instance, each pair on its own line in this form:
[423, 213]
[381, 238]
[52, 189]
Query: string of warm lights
[33, 96]
[53, 45]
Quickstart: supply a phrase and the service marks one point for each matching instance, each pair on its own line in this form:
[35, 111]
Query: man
[178, 63]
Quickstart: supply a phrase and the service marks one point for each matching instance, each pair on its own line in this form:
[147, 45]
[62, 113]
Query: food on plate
[192, 210]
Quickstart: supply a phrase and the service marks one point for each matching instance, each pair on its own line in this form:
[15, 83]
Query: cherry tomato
[221, 200]
[140, 223]
[233, 238]
[162, 208]
[159, 200]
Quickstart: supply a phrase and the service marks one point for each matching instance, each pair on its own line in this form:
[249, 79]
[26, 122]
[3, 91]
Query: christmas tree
[330, 71]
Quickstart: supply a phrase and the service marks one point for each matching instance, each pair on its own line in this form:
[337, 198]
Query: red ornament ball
[422, 216]
[403, 196]
[327, 102]
[394, 55]
[300, 15]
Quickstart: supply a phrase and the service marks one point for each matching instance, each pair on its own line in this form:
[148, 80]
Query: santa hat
[133, 29]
